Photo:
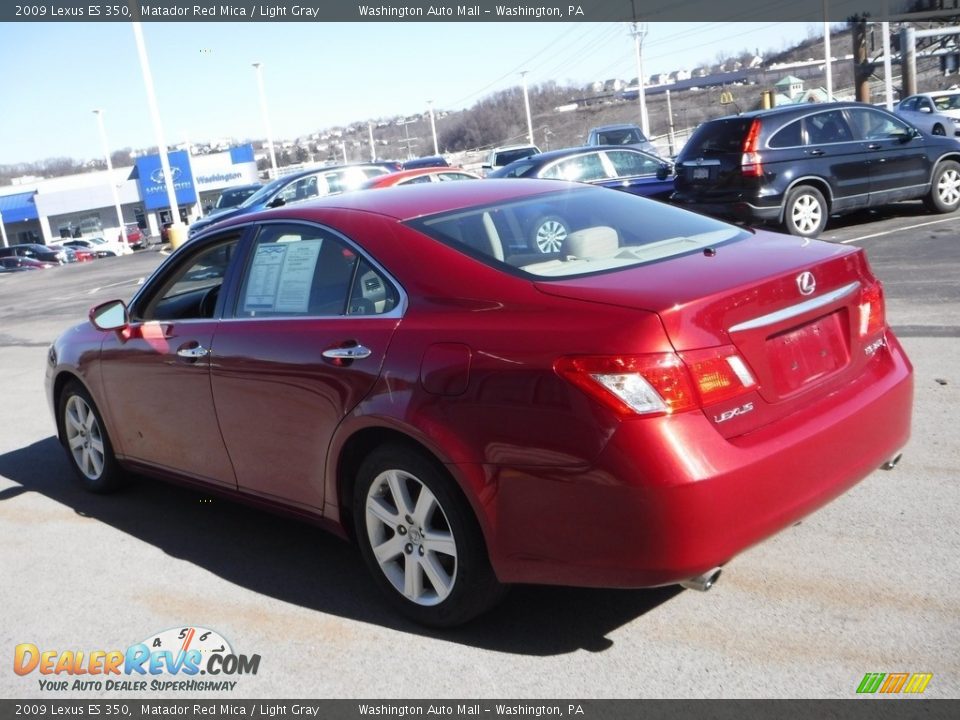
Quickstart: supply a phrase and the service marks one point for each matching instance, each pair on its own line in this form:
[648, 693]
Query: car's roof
[616, 126]
[551, 155]
[406, 202]
[798, 109]
[401, 175]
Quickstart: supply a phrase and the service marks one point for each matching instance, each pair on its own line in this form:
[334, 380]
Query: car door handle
[817, 151]
[193, 353]
[354, 352]
[874, 146]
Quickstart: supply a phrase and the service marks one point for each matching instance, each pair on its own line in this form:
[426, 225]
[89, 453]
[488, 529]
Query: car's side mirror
[276, 202]
[664, 171]
[110, 316]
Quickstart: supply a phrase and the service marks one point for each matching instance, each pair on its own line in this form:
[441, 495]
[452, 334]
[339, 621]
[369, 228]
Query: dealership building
[46, 210]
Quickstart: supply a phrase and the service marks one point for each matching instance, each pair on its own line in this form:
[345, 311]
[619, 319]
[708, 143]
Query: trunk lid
[791, 307]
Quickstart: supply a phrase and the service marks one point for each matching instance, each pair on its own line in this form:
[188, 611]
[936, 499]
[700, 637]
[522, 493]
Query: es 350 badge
[185, 651]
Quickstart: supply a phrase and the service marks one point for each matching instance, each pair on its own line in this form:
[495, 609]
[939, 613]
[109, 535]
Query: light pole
[433, 127]
[258, 66]
[526, 103]
[639, 30]
[113, 186]
[177, 224]
[3, 232]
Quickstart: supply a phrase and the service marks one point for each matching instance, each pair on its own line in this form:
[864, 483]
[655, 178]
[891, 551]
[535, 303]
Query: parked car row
[793, 167]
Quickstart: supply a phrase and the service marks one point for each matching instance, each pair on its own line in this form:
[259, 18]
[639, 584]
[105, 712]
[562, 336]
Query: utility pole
[639, 31]
[862, 67]
[526, 104]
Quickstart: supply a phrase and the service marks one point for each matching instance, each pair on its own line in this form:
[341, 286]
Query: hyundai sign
[152, 188]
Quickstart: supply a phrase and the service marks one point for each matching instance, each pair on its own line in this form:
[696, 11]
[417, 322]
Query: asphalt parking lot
[868, 584]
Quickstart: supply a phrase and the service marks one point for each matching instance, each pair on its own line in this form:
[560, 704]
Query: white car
[937, 113]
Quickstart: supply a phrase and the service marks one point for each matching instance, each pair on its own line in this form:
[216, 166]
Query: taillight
[659, 383]
[750, 162]
[872, 315]
[719, 373]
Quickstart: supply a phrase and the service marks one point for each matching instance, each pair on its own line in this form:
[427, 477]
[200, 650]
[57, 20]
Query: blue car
[296, 187]
[611, 166]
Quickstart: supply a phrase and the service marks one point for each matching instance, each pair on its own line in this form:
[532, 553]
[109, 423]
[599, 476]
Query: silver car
[936, 113]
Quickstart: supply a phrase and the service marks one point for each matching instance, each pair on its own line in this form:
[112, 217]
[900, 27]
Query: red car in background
[136, 238]
[418, 176]
[16, 264]
[406, 369]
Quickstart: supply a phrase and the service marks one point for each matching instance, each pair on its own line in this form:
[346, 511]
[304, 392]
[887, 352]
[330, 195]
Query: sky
[316, 75]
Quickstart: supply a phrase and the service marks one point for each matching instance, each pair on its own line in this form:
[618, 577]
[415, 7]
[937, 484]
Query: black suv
[798, 164]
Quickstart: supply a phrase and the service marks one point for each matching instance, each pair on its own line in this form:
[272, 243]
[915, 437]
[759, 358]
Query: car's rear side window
[306, 271]
[790, 135]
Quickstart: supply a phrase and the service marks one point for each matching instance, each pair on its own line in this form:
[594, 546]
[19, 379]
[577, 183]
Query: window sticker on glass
[281, 276]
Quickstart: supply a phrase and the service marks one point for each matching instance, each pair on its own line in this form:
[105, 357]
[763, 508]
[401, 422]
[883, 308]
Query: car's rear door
[310, 322]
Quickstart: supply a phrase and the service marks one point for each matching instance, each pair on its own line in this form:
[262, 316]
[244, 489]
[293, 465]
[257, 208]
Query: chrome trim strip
[798, 309]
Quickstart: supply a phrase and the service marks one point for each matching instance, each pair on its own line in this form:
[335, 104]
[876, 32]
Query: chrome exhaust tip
[892, 462]
[702, 582]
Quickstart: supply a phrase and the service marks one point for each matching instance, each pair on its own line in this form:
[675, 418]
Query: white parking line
[138, 281]
[900, 229]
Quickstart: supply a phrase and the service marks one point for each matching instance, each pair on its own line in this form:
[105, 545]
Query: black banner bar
[470, 11]
[855, 709]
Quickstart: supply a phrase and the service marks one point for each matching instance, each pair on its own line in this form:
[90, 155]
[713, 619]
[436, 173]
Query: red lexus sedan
[406, 368]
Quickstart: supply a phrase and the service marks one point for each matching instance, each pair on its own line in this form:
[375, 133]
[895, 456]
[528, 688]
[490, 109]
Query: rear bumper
[670, 498]
[735, 209]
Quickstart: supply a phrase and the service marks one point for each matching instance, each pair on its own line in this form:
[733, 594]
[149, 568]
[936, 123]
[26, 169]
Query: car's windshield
[576, 232]
[625, 136]
[947, 102]
[265, 192]
[518, 168]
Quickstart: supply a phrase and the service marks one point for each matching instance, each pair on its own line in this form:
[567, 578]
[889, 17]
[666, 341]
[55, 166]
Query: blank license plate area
[701, 173]
[806, 354]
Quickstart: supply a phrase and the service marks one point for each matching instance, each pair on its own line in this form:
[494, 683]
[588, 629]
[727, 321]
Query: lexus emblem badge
[806, 283]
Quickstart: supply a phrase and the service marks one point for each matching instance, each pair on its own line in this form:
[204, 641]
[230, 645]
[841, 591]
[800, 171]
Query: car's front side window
[582, 168]
[629, 164]
[191, 291]
[875, 125]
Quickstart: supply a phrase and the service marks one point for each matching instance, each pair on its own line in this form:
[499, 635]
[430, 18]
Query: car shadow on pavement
[301, 564]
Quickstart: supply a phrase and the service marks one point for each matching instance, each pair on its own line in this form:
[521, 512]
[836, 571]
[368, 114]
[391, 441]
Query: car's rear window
[576, 232]
[718, 136]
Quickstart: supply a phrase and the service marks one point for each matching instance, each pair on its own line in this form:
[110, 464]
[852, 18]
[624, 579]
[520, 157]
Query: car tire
[944, 195]
[86, 442]
[805, 211]
[548, 234]
[420, 539]
[938, 130]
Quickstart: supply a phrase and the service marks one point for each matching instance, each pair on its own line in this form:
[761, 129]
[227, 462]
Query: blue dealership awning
[19, 207]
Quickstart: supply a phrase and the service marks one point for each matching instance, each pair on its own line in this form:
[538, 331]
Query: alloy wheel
[84, 437]
[411, 538]
[550, 236]
[948, 187]
[806, 214]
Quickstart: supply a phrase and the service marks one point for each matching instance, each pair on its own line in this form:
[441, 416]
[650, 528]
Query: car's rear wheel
[938, 130]
[805, 211]
[549, 233]
[420, 539]
[944, 196]
[86, 442]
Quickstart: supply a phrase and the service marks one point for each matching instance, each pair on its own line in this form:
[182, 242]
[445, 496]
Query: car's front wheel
[805, 212]
[420, 539]
[944, 196]
[85, 439]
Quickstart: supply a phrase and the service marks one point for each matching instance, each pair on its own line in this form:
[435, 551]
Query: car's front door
[899, 166]
[636, 173]
[157, 372]
[305, 341]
